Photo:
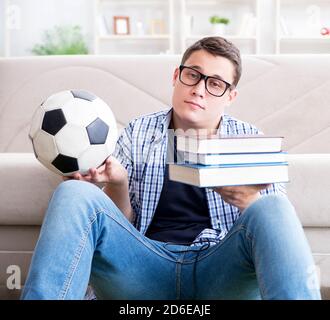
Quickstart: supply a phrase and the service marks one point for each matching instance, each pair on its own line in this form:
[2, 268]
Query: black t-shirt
[181, 214]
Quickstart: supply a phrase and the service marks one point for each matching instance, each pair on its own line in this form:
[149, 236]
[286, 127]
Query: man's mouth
[194, 104]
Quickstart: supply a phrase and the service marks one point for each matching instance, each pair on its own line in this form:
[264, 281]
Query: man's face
[193, 106]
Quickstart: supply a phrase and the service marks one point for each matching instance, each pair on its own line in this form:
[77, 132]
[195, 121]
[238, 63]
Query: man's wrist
[250, 202]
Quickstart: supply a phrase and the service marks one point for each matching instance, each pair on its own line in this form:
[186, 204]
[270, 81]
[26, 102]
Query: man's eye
[215, 84]
[193, 75]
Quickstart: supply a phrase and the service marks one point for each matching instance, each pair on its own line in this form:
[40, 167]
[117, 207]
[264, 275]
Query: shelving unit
[242, 29]
[256, 26]
[155, 35]
[298, 25]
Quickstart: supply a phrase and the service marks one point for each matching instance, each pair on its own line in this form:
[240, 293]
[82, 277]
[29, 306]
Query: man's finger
[94, 174]
[78, 176]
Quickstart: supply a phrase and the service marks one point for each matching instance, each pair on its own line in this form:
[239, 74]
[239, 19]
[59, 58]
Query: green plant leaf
[62, 40]
[216, 19]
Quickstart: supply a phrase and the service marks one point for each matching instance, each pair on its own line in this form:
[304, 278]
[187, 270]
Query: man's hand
[111, 172]
[115, 176]
[241, 196]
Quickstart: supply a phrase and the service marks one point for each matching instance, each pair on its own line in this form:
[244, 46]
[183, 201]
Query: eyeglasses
[214, 86]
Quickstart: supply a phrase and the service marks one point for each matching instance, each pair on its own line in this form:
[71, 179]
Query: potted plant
[62, 40]
[218, 24]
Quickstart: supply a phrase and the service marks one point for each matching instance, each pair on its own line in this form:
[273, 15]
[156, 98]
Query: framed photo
[121, 25]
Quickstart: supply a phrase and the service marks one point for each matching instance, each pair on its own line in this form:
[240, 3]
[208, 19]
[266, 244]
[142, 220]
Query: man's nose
[199, 88]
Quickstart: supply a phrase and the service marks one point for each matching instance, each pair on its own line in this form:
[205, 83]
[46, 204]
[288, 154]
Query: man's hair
[218, 46]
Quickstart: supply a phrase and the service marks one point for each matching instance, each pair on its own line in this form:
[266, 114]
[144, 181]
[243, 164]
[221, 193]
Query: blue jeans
[86, 239]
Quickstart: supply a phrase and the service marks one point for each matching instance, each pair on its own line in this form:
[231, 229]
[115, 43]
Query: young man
[145, 237]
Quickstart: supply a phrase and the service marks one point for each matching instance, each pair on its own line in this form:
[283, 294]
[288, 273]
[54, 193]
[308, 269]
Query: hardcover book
[229, 175]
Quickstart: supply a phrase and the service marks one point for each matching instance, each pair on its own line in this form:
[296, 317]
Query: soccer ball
[73, 131]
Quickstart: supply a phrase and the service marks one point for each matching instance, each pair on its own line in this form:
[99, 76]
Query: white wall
[38, 15]
[2, 27]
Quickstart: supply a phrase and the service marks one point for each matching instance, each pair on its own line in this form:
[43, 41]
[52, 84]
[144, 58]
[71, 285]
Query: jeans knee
[73, 193]
[271, 208]
[74, 188]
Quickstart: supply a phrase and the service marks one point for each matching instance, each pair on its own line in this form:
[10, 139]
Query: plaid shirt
[142, 149]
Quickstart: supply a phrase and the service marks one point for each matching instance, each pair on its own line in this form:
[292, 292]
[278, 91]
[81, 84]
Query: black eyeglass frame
[205, 78]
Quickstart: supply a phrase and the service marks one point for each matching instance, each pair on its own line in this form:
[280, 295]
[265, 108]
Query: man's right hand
[111, 172]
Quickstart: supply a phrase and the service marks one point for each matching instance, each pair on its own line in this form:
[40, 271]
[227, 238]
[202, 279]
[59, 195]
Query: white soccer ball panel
[45, 146]
[93, 157]
[79, 112]
[111, 140]
[105, 113]
[57, 100]
[72, 140]
[36, 122]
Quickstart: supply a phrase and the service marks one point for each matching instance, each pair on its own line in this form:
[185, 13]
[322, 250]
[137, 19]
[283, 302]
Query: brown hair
[218, 46]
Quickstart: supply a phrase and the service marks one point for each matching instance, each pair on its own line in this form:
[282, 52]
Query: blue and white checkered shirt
[142, 149]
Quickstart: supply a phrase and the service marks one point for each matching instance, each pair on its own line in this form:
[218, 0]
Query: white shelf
[133, 3]
[132, 37]
[215, 2]
[229, 37]
[295, 38]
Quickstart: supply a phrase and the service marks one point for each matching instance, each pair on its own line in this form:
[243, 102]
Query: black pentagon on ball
[81, 94]
[53, 121]
[97, 131]
[65, 164]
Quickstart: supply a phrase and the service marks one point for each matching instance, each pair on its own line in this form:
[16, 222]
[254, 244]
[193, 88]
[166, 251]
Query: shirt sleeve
[123, 153]
[275, 188]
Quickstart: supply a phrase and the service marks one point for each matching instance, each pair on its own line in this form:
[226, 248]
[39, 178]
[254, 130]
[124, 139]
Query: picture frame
[121, 25]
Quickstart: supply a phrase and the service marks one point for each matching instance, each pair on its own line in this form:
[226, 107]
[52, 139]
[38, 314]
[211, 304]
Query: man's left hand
[241, 196]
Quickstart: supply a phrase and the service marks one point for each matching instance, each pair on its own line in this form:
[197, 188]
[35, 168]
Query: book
[247, 26]
[228, 175]
[102, 26]
[284, 27]
[234, 158]
[229, 144]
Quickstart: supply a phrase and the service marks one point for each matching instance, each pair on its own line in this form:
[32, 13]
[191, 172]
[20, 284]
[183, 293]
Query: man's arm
[120, 196]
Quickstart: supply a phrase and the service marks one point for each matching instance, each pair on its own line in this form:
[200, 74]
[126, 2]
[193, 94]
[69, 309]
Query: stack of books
[230, 160]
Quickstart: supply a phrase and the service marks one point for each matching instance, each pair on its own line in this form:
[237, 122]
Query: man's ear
[175, 76]
[232, 96]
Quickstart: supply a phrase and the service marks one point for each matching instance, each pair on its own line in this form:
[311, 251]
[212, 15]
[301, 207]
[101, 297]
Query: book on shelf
[229, 144]
[229, 175]
[247, 26]
[284, 27]
[103, 28]
[234, 158]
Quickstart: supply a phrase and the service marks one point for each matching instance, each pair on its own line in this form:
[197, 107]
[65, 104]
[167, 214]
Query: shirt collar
[165, 123]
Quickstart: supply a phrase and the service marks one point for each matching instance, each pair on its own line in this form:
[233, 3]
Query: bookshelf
[256, 26]
[176, 16]
[169, 26]
[146, 26]
[242, 28]
[298, 25]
